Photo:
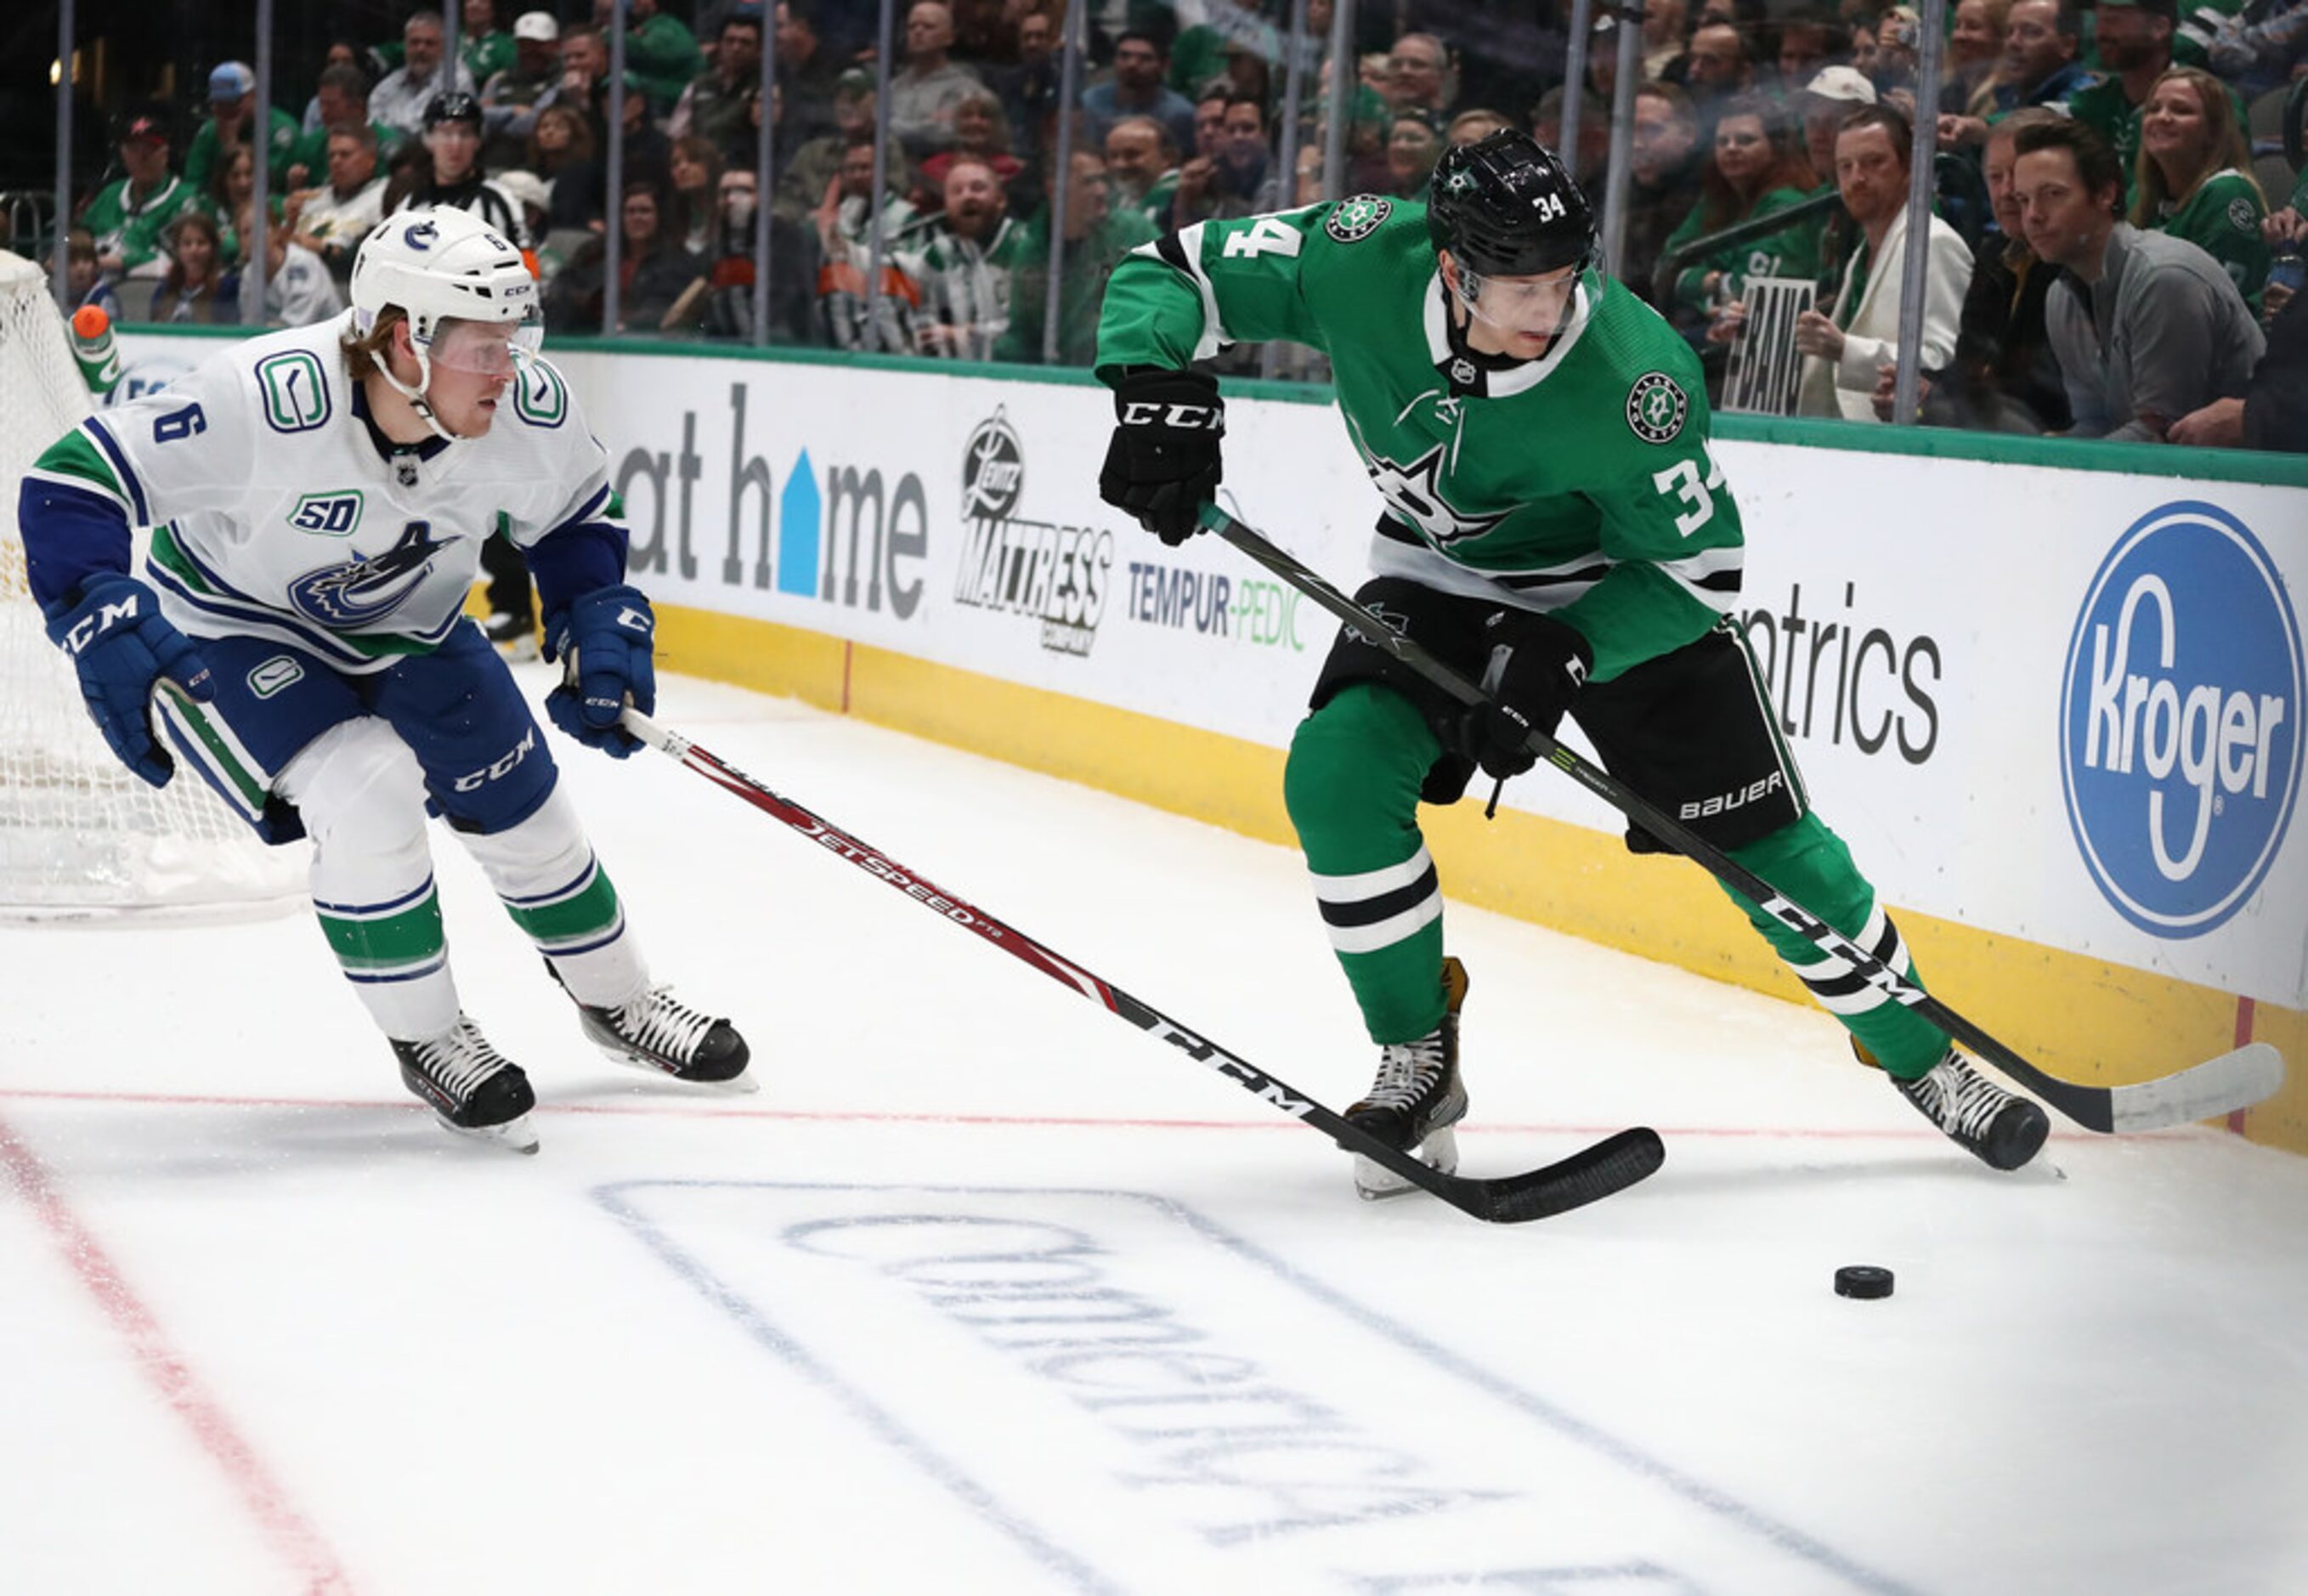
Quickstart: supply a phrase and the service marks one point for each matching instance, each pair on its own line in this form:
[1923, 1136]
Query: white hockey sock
[362, 798]
[556, 892]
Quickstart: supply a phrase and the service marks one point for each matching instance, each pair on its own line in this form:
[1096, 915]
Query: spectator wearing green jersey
[2135, 47]
[962, 259]
[128, 217]
[2192, 177]
[1142, 167]
[659, 51]
[486, 49]
[341, 96]
[1759, 167]
[1097, 238]
[232, 120]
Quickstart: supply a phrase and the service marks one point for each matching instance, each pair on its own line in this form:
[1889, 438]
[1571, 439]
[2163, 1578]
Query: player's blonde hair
[363, 353]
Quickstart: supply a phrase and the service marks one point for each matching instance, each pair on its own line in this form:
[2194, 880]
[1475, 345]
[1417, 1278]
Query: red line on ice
[698, 1108]
[292, 1535]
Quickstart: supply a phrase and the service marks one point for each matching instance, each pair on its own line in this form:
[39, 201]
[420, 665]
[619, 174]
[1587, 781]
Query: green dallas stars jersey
[1579, 484]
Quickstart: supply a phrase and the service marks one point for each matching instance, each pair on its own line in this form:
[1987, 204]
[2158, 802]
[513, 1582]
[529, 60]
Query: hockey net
[80, 836]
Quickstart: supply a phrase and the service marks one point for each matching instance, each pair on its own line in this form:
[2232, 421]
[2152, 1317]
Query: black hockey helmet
[452, 107]
[1506, 207]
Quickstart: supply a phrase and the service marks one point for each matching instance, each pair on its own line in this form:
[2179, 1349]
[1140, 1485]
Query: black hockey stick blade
[1588, 1176]
[2206, 1090]
[1609, 1166]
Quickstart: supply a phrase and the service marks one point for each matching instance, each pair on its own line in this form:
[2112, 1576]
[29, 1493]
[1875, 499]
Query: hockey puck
[1862, 1280]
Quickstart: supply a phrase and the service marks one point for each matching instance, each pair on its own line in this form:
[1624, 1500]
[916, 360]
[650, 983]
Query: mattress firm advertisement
[2063, 706]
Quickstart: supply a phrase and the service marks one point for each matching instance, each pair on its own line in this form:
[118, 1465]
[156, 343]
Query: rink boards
[2055, 713]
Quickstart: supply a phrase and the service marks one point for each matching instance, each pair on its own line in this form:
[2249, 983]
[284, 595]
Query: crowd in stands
[2117, 236]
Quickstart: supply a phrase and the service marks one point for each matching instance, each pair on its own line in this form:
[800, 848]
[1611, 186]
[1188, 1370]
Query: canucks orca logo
[421, 235]
[359, 592]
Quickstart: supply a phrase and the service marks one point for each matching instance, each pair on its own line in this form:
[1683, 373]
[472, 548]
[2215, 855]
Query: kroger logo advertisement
[2179, 720]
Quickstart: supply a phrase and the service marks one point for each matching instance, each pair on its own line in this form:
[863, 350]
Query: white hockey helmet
[442, 265]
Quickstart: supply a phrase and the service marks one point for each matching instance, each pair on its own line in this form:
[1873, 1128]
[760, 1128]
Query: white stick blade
[2214, 1088]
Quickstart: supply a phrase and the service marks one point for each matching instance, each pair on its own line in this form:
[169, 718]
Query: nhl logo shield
[1358, 218]
[1656, 408]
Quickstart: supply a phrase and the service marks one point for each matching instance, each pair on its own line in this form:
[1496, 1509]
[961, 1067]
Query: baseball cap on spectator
[855, 81]
[232, 81]
[144, 128]
[538, 25]
[1841, 83]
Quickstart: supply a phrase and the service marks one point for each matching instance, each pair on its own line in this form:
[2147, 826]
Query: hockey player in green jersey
[1553, 525]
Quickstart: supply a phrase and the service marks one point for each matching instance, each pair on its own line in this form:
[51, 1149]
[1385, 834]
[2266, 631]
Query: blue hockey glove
[1538, 664]
[122, 648]
[605, 641]
[1166, 458]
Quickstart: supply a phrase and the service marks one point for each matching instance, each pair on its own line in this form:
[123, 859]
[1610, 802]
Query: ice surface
[987, 1292]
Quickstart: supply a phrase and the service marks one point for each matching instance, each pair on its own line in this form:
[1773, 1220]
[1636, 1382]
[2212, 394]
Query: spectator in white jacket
[1846, 348]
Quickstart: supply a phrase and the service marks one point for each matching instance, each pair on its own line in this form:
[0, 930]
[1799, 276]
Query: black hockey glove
[607, 642]
[123, 649]
[1163, 463]
[1538, 664]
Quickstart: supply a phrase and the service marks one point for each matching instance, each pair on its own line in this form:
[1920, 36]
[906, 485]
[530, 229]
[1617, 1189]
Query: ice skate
[659, 1032]
[1415, 1098]
[474, 1089]
[2000, 1128]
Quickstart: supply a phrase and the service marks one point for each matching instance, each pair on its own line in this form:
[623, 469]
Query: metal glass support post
[1618, 177]
[1286, 147]
[1907, 389]
[66, 20]
[613, 260]
[881, 175]
[765, 171]
[1061, 177]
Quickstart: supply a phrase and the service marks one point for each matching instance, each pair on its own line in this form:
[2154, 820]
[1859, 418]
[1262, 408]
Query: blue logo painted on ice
[2179, 720]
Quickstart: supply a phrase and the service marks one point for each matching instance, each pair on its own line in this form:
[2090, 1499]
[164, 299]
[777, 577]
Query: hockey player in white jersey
[318, 500]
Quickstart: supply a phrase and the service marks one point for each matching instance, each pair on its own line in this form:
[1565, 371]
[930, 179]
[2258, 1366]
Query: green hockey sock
[1352, 789]
[1809, 864]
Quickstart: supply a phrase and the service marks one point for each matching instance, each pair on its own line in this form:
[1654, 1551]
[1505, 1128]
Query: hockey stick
[2206, 1091]
[1609, 1166]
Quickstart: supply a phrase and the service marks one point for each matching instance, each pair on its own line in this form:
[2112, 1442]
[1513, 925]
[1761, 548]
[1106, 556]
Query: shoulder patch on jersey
[1351, 220]
[2243, 217]
[540, 397]
[295, 389]
[1656, 408]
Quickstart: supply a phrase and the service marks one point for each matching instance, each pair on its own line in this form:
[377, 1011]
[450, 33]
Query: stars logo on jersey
[360, 591]
[1356, 218]
[2243, 217]
[1656, 408]
[1414, 493]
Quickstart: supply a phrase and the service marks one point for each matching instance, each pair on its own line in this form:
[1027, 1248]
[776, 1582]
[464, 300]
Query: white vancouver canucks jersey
[276, 513]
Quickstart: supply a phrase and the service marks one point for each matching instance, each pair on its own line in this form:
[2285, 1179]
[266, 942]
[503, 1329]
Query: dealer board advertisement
[2061, 705]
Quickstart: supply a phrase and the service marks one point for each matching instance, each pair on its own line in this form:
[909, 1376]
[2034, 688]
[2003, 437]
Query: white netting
[78, 835]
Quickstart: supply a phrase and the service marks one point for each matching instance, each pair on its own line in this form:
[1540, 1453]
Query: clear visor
[487, 349]
[1533, 306]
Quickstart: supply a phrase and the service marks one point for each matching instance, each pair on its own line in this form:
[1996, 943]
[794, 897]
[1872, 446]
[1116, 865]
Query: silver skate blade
[740, 1084]
[1375, 1181]
[514, 1135]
